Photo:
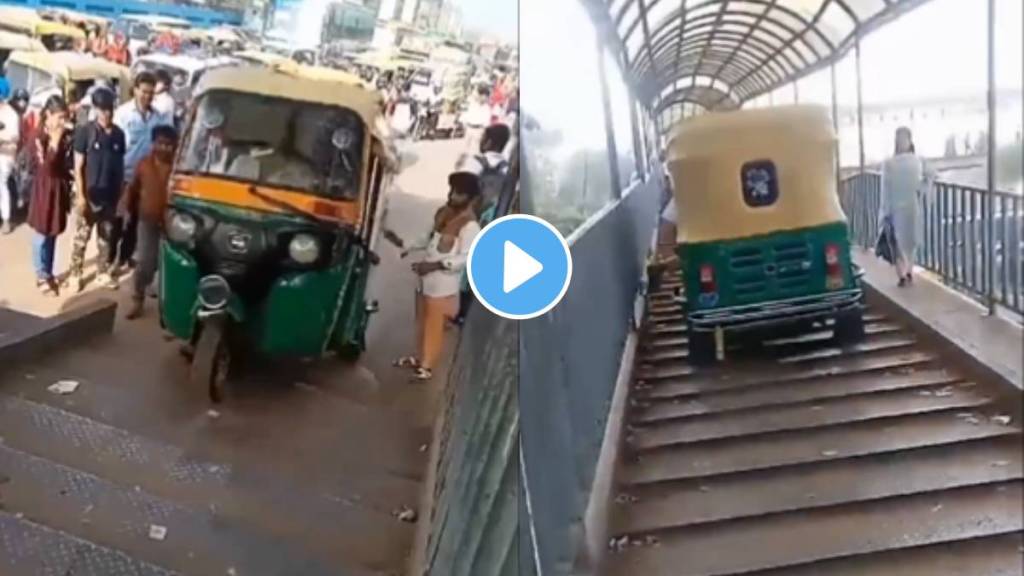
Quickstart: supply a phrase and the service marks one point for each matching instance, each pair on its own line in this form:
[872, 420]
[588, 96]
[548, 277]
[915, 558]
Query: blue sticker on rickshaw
[708, 299]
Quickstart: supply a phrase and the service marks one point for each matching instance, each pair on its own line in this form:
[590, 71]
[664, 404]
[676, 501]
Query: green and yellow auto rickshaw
[272, 218]
[762, 240]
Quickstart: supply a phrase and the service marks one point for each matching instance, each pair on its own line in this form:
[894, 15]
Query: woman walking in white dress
[905, 179]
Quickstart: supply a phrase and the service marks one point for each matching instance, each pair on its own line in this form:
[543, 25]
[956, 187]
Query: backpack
[492, 179]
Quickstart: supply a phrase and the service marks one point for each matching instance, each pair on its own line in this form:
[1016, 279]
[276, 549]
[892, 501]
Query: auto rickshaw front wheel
[211, 361]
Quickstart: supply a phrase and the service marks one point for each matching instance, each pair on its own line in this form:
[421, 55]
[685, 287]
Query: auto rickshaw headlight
[214, 292]
[304, 249]
[182, 228]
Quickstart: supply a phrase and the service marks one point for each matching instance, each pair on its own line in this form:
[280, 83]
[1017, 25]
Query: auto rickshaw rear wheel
[211, 361]
[702, 347]
[849, 328]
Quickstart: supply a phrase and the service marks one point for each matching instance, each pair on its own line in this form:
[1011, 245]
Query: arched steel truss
[718, 54]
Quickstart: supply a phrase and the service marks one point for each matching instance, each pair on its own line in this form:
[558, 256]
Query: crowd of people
[99, 40]
[109, 171]
[484, 106]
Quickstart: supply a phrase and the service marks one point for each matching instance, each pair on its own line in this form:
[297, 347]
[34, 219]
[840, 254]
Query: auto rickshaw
[12, 42]
[54, 35]
[69, 72]
[272, 219]
[762, 240]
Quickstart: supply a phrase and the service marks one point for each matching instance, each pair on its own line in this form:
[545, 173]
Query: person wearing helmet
[10, 136]
[19, 101]
[99, 176]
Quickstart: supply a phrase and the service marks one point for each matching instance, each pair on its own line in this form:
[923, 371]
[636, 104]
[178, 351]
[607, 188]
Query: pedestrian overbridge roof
[718, 54]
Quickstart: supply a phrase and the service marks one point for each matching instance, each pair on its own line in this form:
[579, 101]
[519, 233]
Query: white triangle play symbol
[519, 267]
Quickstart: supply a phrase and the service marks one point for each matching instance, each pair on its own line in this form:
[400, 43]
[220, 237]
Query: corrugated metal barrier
[474, 513]
[568, 363]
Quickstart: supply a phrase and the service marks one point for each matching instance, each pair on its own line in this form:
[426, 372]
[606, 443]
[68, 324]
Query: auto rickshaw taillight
[707, 279]
[832, 255]
[833, 272]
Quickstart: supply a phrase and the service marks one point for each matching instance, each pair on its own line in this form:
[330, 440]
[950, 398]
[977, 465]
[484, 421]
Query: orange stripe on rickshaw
[238, 194]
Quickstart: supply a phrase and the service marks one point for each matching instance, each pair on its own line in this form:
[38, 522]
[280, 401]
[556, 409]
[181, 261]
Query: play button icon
[519, 267]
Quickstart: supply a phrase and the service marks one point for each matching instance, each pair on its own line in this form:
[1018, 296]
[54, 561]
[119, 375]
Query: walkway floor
[994, 341]
[302, 471]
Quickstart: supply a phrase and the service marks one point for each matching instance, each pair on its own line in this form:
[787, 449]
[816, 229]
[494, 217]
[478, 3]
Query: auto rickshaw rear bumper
[753, 316]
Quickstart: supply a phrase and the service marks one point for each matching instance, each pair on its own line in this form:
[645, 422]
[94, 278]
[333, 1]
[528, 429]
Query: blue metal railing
[117, 8]
[954, 242]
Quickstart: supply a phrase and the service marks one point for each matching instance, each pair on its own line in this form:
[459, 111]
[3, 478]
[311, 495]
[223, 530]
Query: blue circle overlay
[540, 241]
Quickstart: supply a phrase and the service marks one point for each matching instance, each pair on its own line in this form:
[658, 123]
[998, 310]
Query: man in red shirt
[118, 52]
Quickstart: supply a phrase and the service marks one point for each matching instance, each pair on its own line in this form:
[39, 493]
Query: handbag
[885, 246]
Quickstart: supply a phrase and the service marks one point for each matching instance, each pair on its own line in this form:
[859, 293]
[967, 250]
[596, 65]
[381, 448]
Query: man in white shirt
[163, 102]
[136, 118]
[476, 118]
[10, 134]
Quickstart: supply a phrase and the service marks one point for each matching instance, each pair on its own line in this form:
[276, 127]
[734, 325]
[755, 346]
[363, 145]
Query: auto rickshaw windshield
[274, 142]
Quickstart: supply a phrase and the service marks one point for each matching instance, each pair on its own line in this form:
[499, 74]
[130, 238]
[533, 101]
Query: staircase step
[121, 517]
[167, 472]
[27, 548]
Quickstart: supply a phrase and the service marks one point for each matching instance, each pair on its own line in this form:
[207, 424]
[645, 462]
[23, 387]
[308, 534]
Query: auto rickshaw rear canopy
[265, 58]
[28, 21]
[718, 54]
[11, 41]
[290, 83]
[327, 74]
[74, 66]
[707, 156]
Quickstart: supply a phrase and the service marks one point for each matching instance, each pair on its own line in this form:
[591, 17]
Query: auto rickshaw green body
[305, 313]
[233, 282]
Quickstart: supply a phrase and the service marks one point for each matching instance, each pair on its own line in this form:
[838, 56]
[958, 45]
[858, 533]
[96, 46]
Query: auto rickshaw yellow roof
[76, 17]
[11, 41]
[29, 21]
[72, 65]
[327, 74]
[265, 58]
[291, 84]
[706, 157]
[715, 132]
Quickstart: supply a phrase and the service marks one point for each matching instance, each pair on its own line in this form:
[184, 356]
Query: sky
[496, 17]
[936, 50]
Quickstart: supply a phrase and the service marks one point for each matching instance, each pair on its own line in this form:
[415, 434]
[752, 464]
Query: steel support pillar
[990, 224]
[835, 125]
[609, 124]
[860, 104]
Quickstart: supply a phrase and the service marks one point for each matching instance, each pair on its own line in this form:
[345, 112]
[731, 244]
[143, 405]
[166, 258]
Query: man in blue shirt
[137, 119]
